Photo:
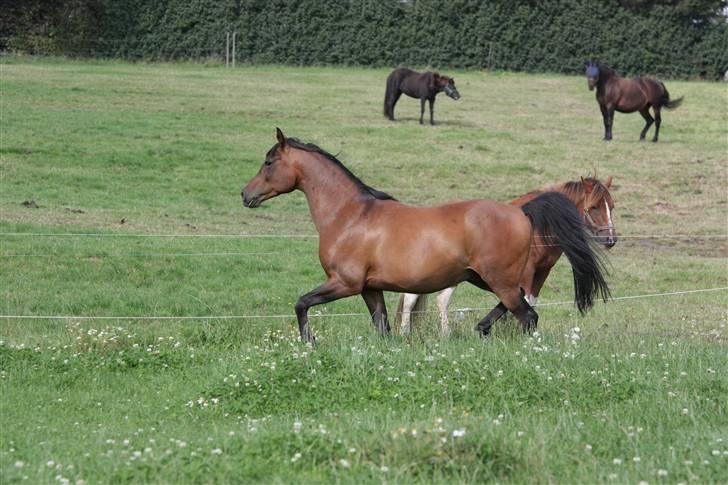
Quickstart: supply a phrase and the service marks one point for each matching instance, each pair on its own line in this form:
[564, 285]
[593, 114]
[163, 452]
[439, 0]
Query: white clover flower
[458, 433]
[661, 473]
[344, 463]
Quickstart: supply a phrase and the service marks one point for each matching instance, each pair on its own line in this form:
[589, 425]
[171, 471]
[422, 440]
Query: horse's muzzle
[452, 92]
[607, 240]
[250, 202]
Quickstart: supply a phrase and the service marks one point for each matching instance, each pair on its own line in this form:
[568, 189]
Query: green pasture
[120, 197]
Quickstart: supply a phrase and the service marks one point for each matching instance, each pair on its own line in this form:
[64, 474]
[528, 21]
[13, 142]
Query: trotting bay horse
[591, 198]
[370, 243]
[615, 93]
[424, 86]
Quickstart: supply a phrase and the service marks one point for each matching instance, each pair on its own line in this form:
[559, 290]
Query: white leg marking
[531, 300]
[443, 301]
[410, 299]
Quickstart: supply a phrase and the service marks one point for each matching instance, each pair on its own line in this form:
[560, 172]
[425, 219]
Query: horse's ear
[608, 182]
[281, 137]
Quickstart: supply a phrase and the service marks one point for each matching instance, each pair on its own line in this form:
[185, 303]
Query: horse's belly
[426, 261]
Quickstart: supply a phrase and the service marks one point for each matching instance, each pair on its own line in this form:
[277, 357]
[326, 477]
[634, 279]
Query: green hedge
[674, 38]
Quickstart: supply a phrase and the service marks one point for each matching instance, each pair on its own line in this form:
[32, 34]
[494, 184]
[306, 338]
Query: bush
[674, 38]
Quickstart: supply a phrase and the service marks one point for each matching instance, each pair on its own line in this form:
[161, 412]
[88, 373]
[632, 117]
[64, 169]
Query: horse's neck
[330, 193]
[605, 76]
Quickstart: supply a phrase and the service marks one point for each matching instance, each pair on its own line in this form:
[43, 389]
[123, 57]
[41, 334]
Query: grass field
[634, 391]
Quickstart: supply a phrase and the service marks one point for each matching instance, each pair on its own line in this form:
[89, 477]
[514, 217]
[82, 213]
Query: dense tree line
[677, 38]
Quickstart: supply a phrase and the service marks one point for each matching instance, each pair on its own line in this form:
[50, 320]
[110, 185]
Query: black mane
[310, 147]
[605, 71]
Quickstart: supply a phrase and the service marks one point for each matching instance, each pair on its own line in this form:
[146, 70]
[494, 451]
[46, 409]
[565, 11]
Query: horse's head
[276, 176]
[592, 74]
[598, 208]
[447, 84]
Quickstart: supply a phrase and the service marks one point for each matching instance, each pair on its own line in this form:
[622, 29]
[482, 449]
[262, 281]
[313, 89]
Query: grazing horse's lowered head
[447, 85]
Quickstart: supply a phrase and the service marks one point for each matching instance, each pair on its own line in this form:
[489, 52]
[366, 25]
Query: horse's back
[418, 248]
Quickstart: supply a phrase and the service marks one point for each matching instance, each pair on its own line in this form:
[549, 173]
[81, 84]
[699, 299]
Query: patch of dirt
[30, 204]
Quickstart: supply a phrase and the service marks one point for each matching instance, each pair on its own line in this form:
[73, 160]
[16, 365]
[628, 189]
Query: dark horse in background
[615, 93]
[370, 243]
[424, 86]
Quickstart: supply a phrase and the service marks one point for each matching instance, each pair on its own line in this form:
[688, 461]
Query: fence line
[315, 315]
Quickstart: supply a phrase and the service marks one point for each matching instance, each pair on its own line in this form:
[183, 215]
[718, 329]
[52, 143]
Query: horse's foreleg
[605, 120]
[443, 301]
[408, 303]
[332, 290]
[432, 110]
[422, 110]
[658, 121]
[608, 123]
[377, 309]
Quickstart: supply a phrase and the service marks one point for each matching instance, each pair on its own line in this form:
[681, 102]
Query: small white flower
[19, 464]
[344, 463]
[216, 451]
[636, 459]
[458, 433]
[661, 473]
[588, 447]
[617, 461]
[296, 457]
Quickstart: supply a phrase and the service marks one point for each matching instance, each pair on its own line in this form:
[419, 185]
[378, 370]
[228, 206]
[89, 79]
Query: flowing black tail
[665, 99]
[557, 220]
[390, 95]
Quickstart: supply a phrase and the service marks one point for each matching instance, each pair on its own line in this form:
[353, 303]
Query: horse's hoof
[654, 140]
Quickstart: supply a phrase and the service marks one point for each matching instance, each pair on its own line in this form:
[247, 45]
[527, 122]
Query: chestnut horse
[591, 198]
[424, 86]
[370, 242]
[627, 96]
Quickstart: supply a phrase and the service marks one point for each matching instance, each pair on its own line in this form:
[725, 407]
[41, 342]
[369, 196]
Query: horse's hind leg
[422, 110]
[432, 110]
[645, 112]
[658, 121]
[513, 299]
[396, 97]
[495, 314]
[378, 310]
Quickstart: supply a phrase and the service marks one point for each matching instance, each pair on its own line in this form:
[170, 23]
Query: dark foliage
[668, 38]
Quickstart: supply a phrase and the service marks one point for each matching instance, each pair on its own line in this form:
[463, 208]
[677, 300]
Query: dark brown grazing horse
[615, 93]
[370, 242]
[424, 86]
[591, 198]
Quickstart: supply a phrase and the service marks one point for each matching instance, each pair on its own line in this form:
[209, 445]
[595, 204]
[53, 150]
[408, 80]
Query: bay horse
[424, 86]
[615, 93]
[591, 198]
[370, 243]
